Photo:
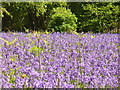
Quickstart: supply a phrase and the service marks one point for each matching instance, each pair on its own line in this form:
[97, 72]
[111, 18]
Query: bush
[62, 20]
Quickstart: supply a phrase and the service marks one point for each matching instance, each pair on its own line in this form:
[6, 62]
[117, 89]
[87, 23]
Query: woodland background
[93, 17]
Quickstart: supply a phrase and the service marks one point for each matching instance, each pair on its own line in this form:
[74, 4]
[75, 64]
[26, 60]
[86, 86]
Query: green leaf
[115, 75]
[13, 59]
[34, 47]
[4, 73]
[51, 60]
[26, 30]
[46, 32]
[11, 69]
[27, 64]
[13, 86]
[44, 71]
[46, 42]
[62, 72]
[33, 42]
[12, 80]
[18, 68]
[9, 43]
[78, 43]
[4, 40]
[73, 81]
[24, 75]
[28, 88]
[80, 85]
[92, 36]
[118, 48]
[13, 41]
[74, 32]
[36, 50]
[62, 66]
[12, 72]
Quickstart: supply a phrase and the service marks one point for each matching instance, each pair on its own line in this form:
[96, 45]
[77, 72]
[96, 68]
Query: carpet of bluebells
[58, 60]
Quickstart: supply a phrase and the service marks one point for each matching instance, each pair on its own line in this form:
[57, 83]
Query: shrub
[62, 20]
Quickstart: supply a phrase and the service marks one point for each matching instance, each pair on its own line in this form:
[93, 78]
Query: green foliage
[12, 59]
[61, 16]
[12, 72]
[46, 42]
[80, 85]
[30, 15]
[3, 10]
[36, 50]
[9, 43]
[119, 48]
[26, 30]
[62, 72]
[62, 20]
[96, 17]
[73, 81]
[24, 14]
[12, 79]
[93, 36]
[18, 68]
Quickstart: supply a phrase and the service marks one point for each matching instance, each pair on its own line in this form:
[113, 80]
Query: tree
[62, 20]
[24, 14]
[96, 17]
[30, 15]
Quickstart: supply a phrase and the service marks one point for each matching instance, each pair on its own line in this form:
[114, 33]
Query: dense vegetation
[42, 46]
[61, 16]
[59, 60]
